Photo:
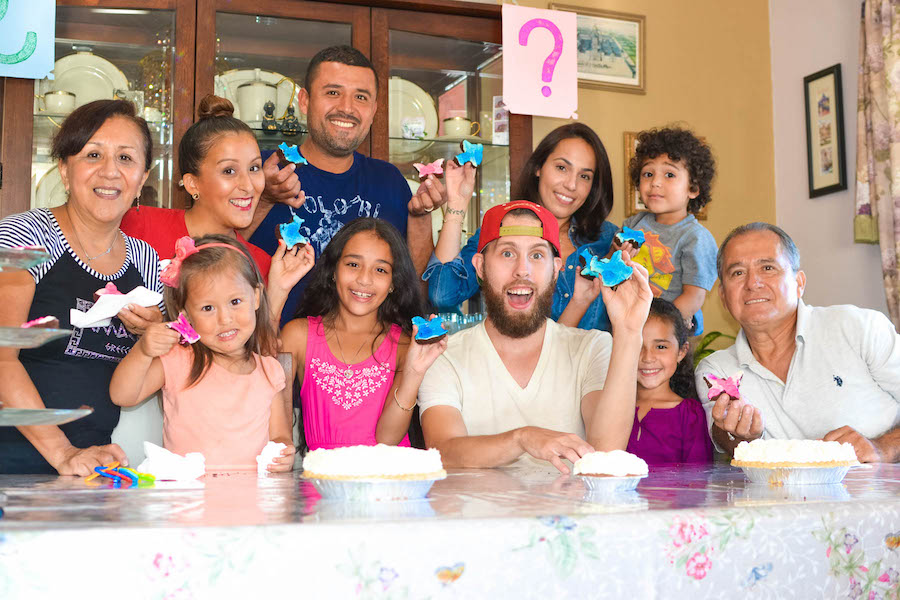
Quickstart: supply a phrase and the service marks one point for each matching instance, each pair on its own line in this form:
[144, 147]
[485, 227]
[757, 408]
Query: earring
[391, 290]
[137, 204]
[195, 196]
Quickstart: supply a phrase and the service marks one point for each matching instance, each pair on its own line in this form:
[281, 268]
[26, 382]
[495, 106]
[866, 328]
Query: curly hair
[679, 144]
[590, 217]
[682, 381]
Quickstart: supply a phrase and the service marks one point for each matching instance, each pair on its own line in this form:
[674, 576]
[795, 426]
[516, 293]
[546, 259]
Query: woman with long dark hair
[569, 175]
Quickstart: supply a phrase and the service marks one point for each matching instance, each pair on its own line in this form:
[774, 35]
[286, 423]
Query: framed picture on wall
[611, 49]
[633, 202]
[825, 154]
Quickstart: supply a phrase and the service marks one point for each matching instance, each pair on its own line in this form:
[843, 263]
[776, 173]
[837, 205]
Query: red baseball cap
[491, 228]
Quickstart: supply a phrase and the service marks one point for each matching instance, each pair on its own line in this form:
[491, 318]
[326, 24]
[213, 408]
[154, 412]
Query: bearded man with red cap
[520, 387]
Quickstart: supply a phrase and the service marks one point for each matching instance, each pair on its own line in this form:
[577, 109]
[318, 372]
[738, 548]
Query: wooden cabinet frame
[17, 101]
[194, 69]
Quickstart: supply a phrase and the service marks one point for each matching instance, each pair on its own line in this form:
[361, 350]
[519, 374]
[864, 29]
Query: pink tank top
[341, 403]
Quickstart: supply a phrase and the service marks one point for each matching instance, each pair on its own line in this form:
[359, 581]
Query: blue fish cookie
[613, 270]
[429, 332]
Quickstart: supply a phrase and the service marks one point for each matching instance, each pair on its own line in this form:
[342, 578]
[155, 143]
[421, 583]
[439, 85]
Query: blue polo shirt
[369, 188]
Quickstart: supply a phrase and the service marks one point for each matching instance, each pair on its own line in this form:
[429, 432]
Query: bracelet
[398, 401]
[456, 211]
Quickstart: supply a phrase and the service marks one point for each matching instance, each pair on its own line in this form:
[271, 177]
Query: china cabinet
[139, 50]
[439, 66]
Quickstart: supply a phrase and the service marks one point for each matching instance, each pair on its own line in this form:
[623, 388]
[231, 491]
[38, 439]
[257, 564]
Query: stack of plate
[86, 75]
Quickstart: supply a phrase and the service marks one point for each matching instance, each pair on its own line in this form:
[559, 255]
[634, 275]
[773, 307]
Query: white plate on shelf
[88, 76]
[50, 190]
[409, 101]
[227, 83]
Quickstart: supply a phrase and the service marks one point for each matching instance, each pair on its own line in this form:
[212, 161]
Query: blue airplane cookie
[471, 153]
[292, 153]
[429, 331]
[290, 233]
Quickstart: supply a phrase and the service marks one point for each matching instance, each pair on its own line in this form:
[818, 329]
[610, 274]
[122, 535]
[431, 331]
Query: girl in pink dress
[224, 394]
[352, 332]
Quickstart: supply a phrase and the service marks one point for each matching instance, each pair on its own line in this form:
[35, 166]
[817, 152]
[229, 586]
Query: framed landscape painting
[611, 49]
[826, 167]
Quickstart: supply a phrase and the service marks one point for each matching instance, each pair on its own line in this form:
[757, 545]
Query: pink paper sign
[539, 65]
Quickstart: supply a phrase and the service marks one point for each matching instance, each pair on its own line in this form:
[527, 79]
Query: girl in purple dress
[669, 421]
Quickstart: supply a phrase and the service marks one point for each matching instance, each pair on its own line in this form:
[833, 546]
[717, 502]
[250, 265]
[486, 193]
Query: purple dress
[672, 435]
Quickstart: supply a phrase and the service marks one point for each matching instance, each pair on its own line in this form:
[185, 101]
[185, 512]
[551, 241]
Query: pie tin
[372, 490]
[796, 475]
[607, 485]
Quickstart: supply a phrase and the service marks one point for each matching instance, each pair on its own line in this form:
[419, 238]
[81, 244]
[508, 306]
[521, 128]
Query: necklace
[90, 259]
[348, 372]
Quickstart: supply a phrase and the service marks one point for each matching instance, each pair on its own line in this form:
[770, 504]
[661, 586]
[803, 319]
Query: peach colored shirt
[224, 415]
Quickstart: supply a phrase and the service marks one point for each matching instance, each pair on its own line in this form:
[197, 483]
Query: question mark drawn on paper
[553, 58]
[27, 49]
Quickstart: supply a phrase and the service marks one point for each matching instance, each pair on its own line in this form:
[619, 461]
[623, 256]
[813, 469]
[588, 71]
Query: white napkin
[265, 457]
[165, 465]
[109, 305]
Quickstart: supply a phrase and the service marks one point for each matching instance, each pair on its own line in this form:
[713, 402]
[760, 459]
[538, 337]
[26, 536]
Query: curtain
[878, 141]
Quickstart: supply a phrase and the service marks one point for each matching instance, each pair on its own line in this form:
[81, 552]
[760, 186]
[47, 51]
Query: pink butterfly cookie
[724, 385]
[181, 325]
[435, 168]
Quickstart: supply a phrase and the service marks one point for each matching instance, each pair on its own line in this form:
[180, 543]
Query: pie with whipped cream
[616, 463]
[794, 453]
[385, 462]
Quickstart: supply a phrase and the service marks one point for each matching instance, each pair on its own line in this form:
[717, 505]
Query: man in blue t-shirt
[340, 184]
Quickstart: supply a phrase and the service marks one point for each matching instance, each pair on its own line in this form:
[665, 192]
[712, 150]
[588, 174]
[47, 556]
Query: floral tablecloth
[701, 532]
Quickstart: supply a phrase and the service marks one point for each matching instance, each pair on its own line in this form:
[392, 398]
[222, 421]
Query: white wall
[807, 36]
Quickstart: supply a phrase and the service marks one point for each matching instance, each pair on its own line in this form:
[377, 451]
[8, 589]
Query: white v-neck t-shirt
[471, 377]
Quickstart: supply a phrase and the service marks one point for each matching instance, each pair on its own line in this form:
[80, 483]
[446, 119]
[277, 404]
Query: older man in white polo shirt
[810, 372]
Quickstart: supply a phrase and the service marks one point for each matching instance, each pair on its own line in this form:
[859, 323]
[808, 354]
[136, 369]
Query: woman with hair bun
[221, 169]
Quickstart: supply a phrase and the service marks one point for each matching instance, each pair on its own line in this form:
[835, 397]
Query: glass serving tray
[12, 417]
[29, 337]
[22, 258]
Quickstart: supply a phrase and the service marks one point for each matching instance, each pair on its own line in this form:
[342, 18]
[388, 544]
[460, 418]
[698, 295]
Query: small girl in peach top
[224, 395]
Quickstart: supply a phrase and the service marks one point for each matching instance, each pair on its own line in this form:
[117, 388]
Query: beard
[337, 146]
[517, 325]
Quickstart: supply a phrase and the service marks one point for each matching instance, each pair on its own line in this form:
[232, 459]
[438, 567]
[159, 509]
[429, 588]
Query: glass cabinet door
[442, 91]
[261, 64]
[259, 61]
[445, 87]
[104, 53]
